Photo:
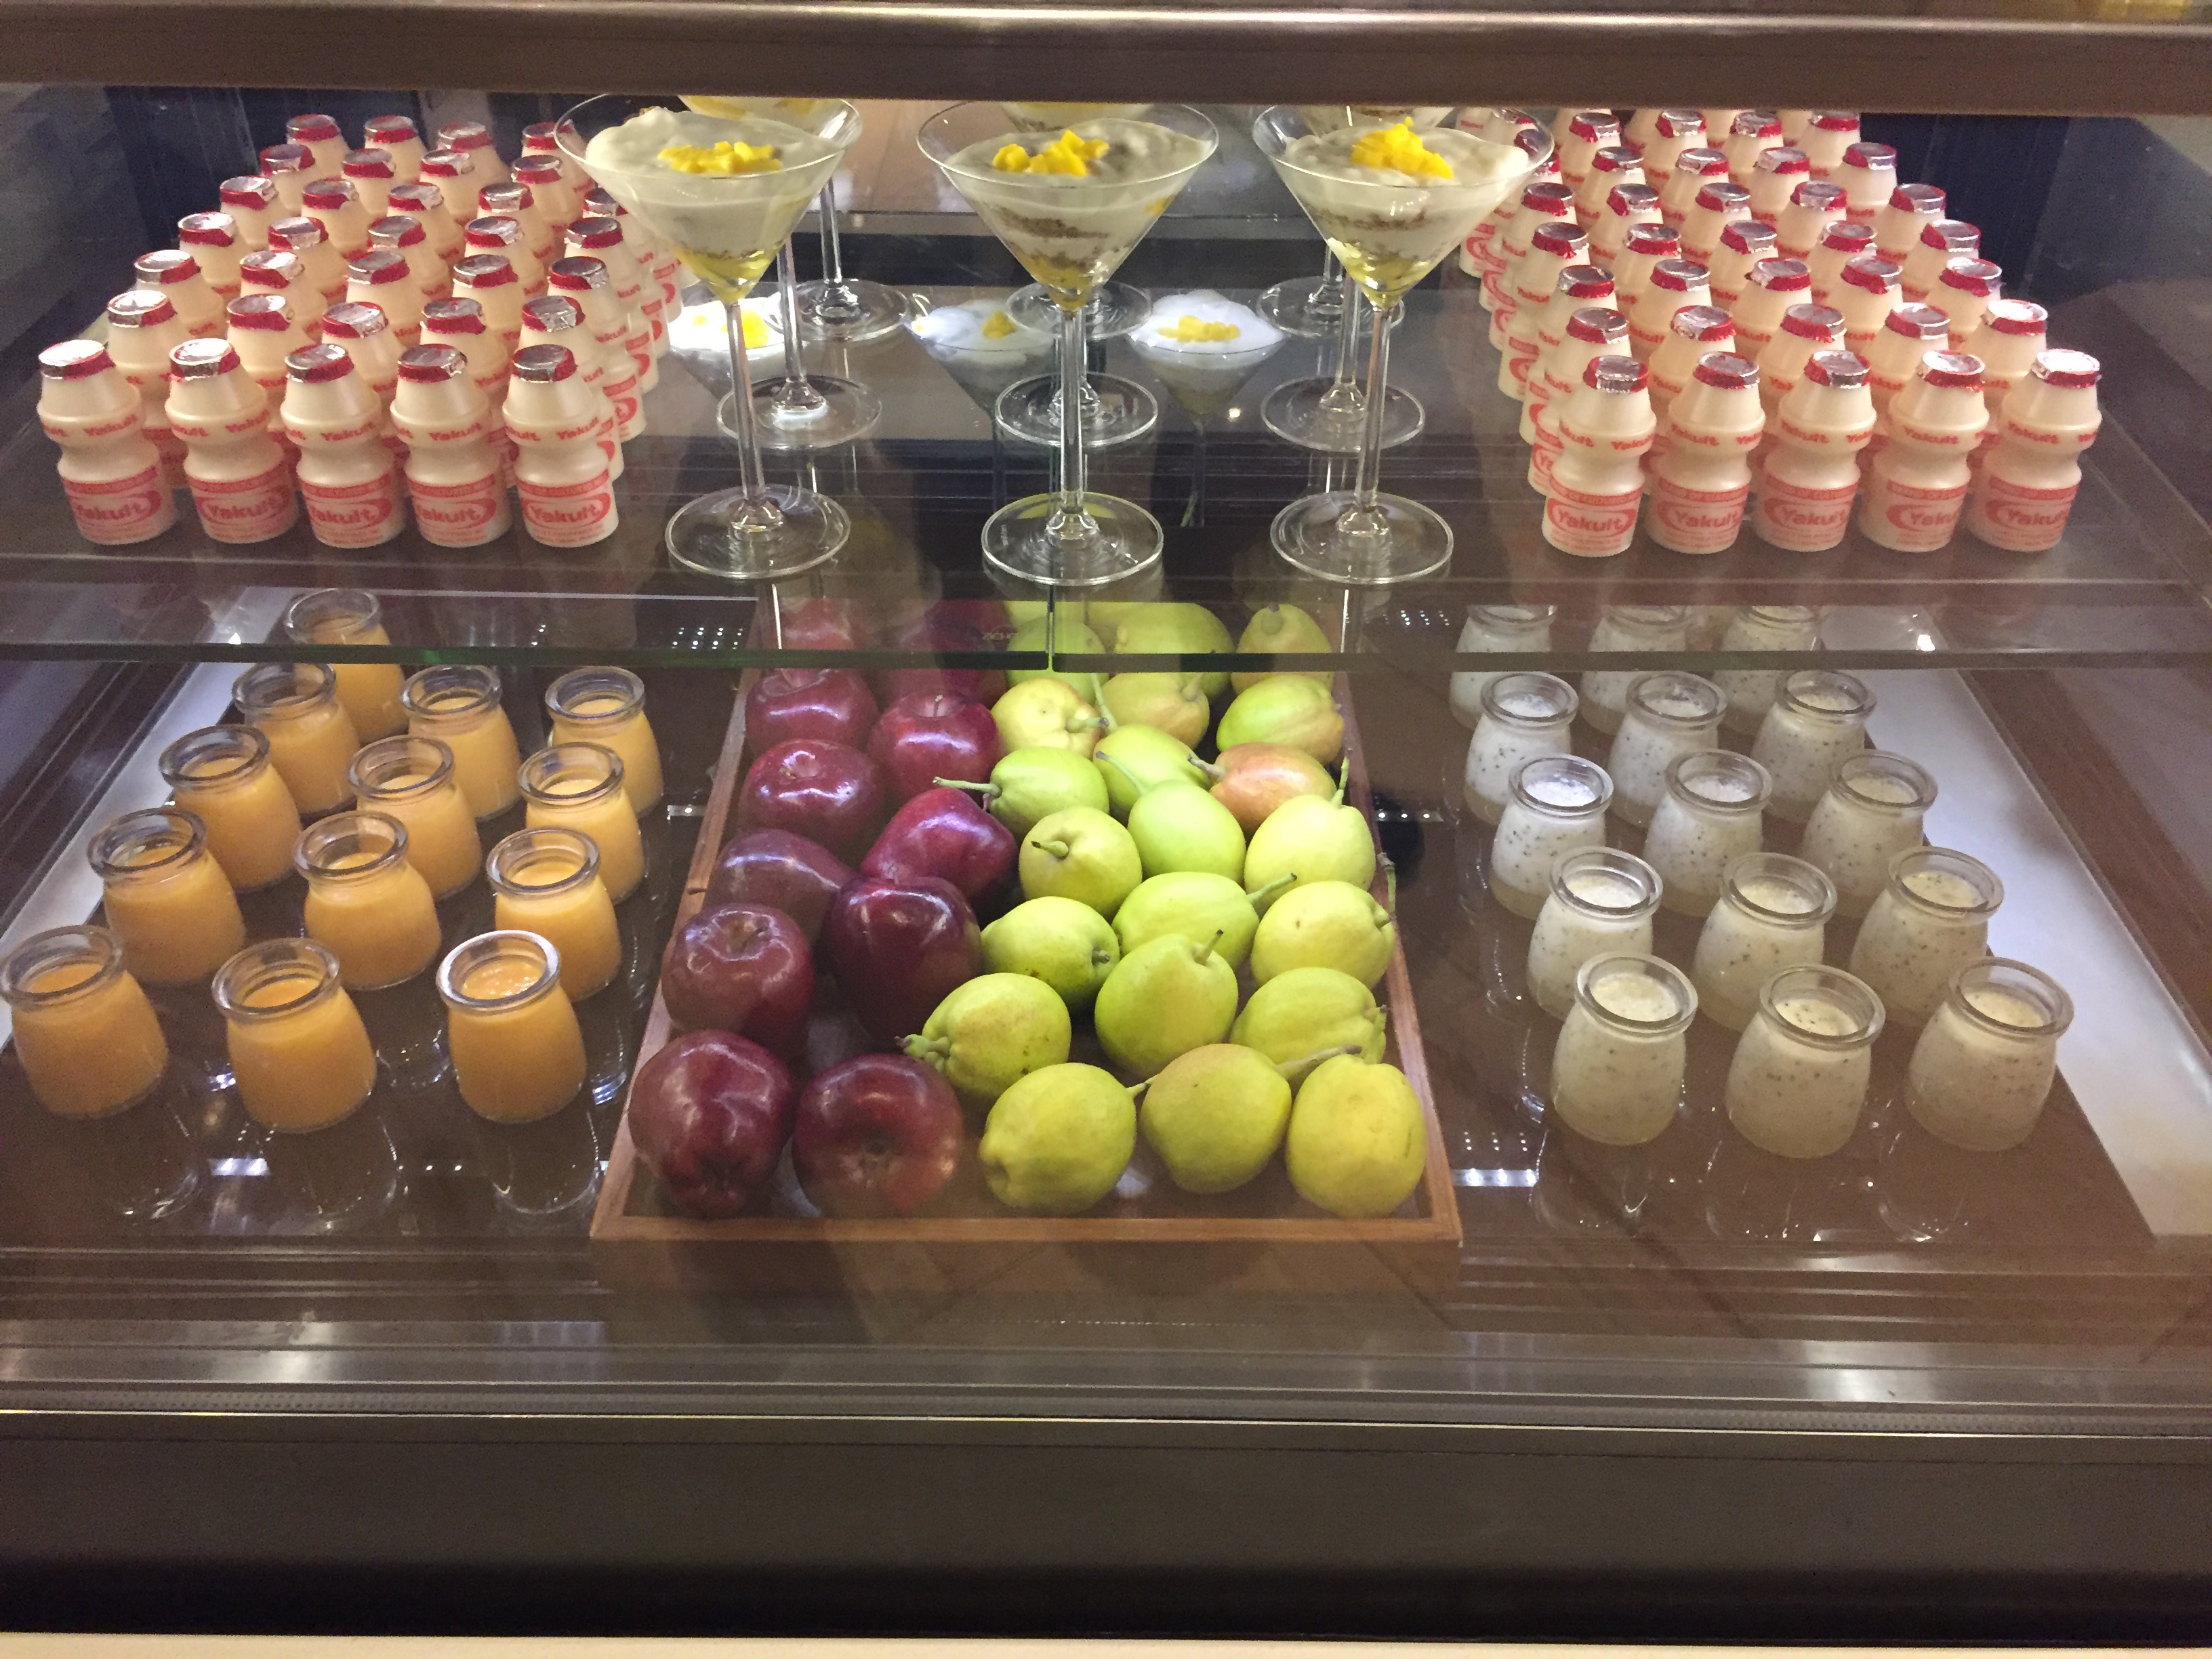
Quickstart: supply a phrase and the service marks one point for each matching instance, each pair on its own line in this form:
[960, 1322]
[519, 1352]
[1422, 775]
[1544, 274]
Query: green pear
[1358, 1140]
[991, 1031]
[1189, 904]
[1216, 1114]
[1162, 999]
[1106, 616]
[1324, 923]
[1179, 826]
[1309, 1008]
[1176, 628]
[1310, 839]
[1082, 854]
[1061, 635]
[1047, 714]
[1176, 704]
[1069, 946]
[1029, 784]
[1285, 708]
[1058, 1140]
[1282, 628]
[1143, 756]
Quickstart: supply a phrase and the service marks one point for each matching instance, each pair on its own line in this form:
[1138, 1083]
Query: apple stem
[1293, 1070]
[989, 791]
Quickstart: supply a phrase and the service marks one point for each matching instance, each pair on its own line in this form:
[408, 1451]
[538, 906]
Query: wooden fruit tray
[636, 1236]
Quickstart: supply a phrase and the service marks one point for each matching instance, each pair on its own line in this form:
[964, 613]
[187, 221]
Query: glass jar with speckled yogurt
[1667, 715]
[1983, 1068]
[1495, 628]
[1626, 628]
[1818, 721]
[1873, 812]
[1558, 806]
[1762, 628]
[1523, 715]
[1617, 1069]
[1601, 902]
[1799, 1077]
[1773, 913]
[1710, 818]
[1930, 920]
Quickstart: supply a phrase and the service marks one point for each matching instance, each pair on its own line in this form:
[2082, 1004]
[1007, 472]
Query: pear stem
[1284, 880]
[1053, 849]
[1213, 772]
[1293, 1070]
[1390, 884]
[1209, 947]
[989, 791]
[1134, 782]
[1343, 781]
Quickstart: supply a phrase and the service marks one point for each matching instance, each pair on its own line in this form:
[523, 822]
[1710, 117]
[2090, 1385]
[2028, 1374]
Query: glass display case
[1519, 945]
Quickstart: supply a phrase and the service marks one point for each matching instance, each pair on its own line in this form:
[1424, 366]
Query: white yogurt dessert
[1601, 902]
[981, 345]
[1557, 806]
[1710, 817]
[701, 334]
[1983, 1066]
[1055, 117]
[1489, 628]
[1930, 920]
[1617, 1069]
[1874, 810]
[1654, 628]
[1772, 914]
[1204, 347]
[1817, 722]
[1665, 716]
[1523, 715]
[1762, 628]
[1799, 1077]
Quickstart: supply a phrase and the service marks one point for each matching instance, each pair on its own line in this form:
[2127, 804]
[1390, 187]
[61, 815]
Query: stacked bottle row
[1775, 331]
[333, 334]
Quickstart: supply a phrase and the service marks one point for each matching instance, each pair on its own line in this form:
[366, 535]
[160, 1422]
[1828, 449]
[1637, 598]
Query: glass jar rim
[558, 760]
[451, 691]
[1561, 698]
[391, 754]
[1588, 773]
[245, 748]
[343, 833]
[1988, 889]
[2026, 980]
[1794, 689]
[1514, 616]
[1655, 969]
[1847, 993]
[471, 954]
[1783, 613]
[507, 861]
[1718, 763]
[284, 690]
[271, 961]
[627, 687]
[356, 607]
[1620, 866]
[1648, 619]
[1793, 871]
[1690, 687]
[1880, 763]
[180, 828]
[54, 948]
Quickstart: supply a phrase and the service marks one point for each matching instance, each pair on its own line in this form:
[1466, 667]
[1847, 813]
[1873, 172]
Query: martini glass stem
[1330, 273]
[1072, 523]
[1342, 398]
[1362, 516]
[795, 395]
[837, 301]
[760, 505]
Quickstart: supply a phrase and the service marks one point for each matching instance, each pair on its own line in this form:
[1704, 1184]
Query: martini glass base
[1294, 412]
[1114, 310]
[1029, 411]
[1019, 541]
[722, 535]
[1406, 540]
[848, 410]
[878, 311]
[1312, 308]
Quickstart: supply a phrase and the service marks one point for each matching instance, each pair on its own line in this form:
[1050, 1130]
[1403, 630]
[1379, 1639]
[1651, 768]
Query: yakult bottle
[1814, 206]
[1675, 284]
[1963, 292]
[1719, 122]
[1626, 206]
[2010, 338]
[489, 280]
[1868, 173]
[425, 204]
[661, 268]
[514, 200]
[1828, 137]
[473, 139]
[1840, 244]
[555, 197]
[335, 205]
[240, 478]
[1614, 166]
[303, 238]
[1917, 483]
[1581, 287]
[1806, 331]
[1750, 135]
[560, 471]
[109, 470]
[1672, 132]
[383, 280]
[1540, 204]
[1718, 205]
[1794, 123]
[1940, 243]
[1812, 472]
[1696, 333]
[1770, 288]
[347, 476]
[2029, 480]
[372, 174]
[1642, 126]
[1478, 255]
[251, 202]
[501, 237]
[1597, 479]
[542, 138]
[1912, 209]
[1743, 244]
[1909, 333]
[1867, 295]
[319, 137]
[395, 135]
[1774, 177]
[263, 333]
[286, 166]
[176, 274]
[1694, 168]
[548, 319]
[143, 329]
[454, 473]
[460, 325]
[280, 275]
[1589, 130]
[212, 240]
[1592, 332]
[403, 234]
[586, 283]
[454, 175]
[361, 332]
[1700, 483]
[1554, 247]
[1646, 246]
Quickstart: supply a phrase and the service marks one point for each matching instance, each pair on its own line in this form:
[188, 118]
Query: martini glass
[1390, 227]
[841, 307]
[726, 227]
[1204, 347]
[1071, 230]
[801, 411]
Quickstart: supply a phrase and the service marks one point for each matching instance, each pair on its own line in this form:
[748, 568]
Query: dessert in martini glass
[1070, 209]
[723, 191]
[1392, 201]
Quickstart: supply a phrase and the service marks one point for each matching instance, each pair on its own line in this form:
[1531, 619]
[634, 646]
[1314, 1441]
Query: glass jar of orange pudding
[223, 773]
[411, 778]
[311, 739]
[547, 882]
[518, 1051]
[579, 786]
[165, 896]
[298, 1049]
[366, 903]
[368, 691]
[459, 704]
[84, 1031]
[607, 705]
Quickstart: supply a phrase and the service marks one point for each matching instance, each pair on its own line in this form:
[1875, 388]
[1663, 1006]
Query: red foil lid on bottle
[596, 232]
[1622, 200]
[355, 319]
[1705, 163]
[330, 195]
[1980, 278]
[1957, 369]
[448, 164]
[543, 137]
[1702, 322]
[1597, 325]
[1781, 276]
[535, 170]
[1871, 158]
[1577, 282]
[249, 189]
[494, 231]
[381, 130]
[201, 360]
[312, 365]
[1841, 369]
[1918, 322]
[509, 199]
[1954, 235]
[73, 360]
[580, 274]
[1756, 124]
[2015, 317]
[550, 313]
[1747, 235]
[2067, 368]
[485, 270]
[432, 365]
[1555, 201]
[168, 265]
[1812, 322]
[1819, 194]
[272, 267]
[1721, 197]
[207, 230]
[1653, 239]
[377, 267]
[1872, 272]
[141, 308]
[295, 234]
[1679, 122]
[605, 206]
[1616, 375]
[1785, 159]
[1848, 234]
[464, 135]
[544, 363]
[417, 197]
[1836, 120]
[1566, 242]
[1926, 201]
[1533, 142]
[286, 158]
[1678, 276]
[367, 164]
[1726, 370]
[310, 129]
[1595, 126]
[1618, 158]
[454, 317]
[259, 311]
[397, 230]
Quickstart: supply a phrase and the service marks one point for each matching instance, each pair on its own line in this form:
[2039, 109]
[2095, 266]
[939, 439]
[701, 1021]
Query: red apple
[922, 739]
[829, 792]
[775, 867]
[709, 1115]
[938, 635]
[824, 625]
[831, 704]
[878, 1135]
[742, 968]
[991, 617]
[898, 947]
[944, 833]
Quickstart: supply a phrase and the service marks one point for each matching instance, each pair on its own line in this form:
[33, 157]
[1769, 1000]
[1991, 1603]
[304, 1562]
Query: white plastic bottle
[1866, 293]
[1608, 168]
[1812, 473]
[336, 206]
[1868, 173]
[240, 476]
[175, 273]
[454, 474]
[1671, 132]
[500, 236]
[543, 139]
[1941, 242]
[560, 472]
[274, 272]
[1743, 243]
[251, 202]
[1963, 292]
[364, 335]
[1694, 168]
[2012, 336]
[1770, 288]
[372, 174]
[347, 478]
[1827, 138]
[1814, 206]
[403, 234]
[1916, 485]
[515, 200]
[601, 238]
[460, 324]
[319, 137]
[473, 139]
[381, 278]
[584, 283]
[109, 470]
[658, 261]
[1909, 333]
[1750, 135]
[1718, 205]
[1774, 176]
[263, 333]
[1597, 479]
[489, 279]
[288, 168]
[1806, 329]
[1700, 483]
[456, 181]
[396, 136]
[422, 200]
[1477, 257]
[2028, 482]
[143, 329]
[1592, 332]
[1840, 244]
[1626, 206]
[1695, 333]
[556, 200]
[1910, 210]
[1675, 284]
[549, 319]
[1589, 130]
[1540, 204]
[301, 235]
[1551, 249]
[212, 239]
[1794, 123]
[1647, 245]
